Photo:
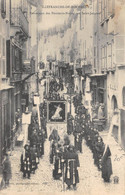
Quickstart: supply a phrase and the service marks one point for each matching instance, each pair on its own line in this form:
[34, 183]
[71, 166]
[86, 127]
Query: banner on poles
[26, 118]
[36, 100]
[56, 111]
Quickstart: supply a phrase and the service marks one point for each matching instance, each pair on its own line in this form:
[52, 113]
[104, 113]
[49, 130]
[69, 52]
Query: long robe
[7, 170]
[57, 172]
[107, 165]
[69, 126]
[41, 140]
[71, 163]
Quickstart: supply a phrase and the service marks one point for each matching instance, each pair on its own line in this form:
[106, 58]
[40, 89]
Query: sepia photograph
[62, 97]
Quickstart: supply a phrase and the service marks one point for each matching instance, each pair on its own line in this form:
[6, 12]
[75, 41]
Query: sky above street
[52, 16]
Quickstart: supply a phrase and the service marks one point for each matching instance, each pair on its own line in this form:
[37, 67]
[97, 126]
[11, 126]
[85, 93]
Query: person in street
[99, 149]
[100, 112]
[61, 84]
[106, 165]
[53, 138]
[26, 162]
[34, 138]
[33, 159]
[57, 171]
[43, 125]
[17, 115]
[34, 111]
[66, 143]
[7, 174]
[78, 135]
[71, 177]
[69, 124]
[41, 140]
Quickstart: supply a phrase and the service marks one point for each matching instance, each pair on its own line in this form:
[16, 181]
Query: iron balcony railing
[18, 19]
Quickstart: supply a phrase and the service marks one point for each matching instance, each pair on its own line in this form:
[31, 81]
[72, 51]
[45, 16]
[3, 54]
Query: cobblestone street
[90, 178]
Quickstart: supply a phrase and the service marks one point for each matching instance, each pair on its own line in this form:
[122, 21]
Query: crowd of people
[64, 156]
[34, 149]
[84, 128]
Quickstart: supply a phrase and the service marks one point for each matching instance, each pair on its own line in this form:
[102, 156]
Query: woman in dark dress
[106, 165]
[7, 170]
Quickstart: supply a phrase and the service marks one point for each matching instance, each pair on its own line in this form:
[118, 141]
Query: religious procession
[63, 154]
[62, 96]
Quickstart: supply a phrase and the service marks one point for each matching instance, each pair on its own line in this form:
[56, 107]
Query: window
[105, 9]
[94, 57]
[102, 57]
[0, 66]
[85, 49]
[3, 8]
[0, 45]
[109, 56]
[3, 47]
[81, 20]
[123, 96]
[3, 67]
[105, 57]
[111, 7]
[94, 51]
[120, 49]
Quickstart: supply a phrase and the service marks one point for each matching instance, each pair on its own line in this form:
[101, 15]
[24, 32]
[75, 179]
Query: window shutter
[120, 49]
[3, 8]
[8, 58]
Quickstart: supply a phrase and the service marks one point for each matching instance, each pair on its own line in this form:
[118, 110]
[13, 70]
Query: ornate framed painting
[56, 112]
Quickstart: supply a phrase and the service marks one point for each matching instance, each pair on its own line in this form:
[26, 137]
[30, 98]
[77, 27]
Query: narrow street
[91, 181]
[62, 97]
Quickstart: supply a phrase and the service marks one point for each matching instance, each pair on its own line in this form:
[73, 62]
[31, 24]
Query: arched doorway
[114, 105]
